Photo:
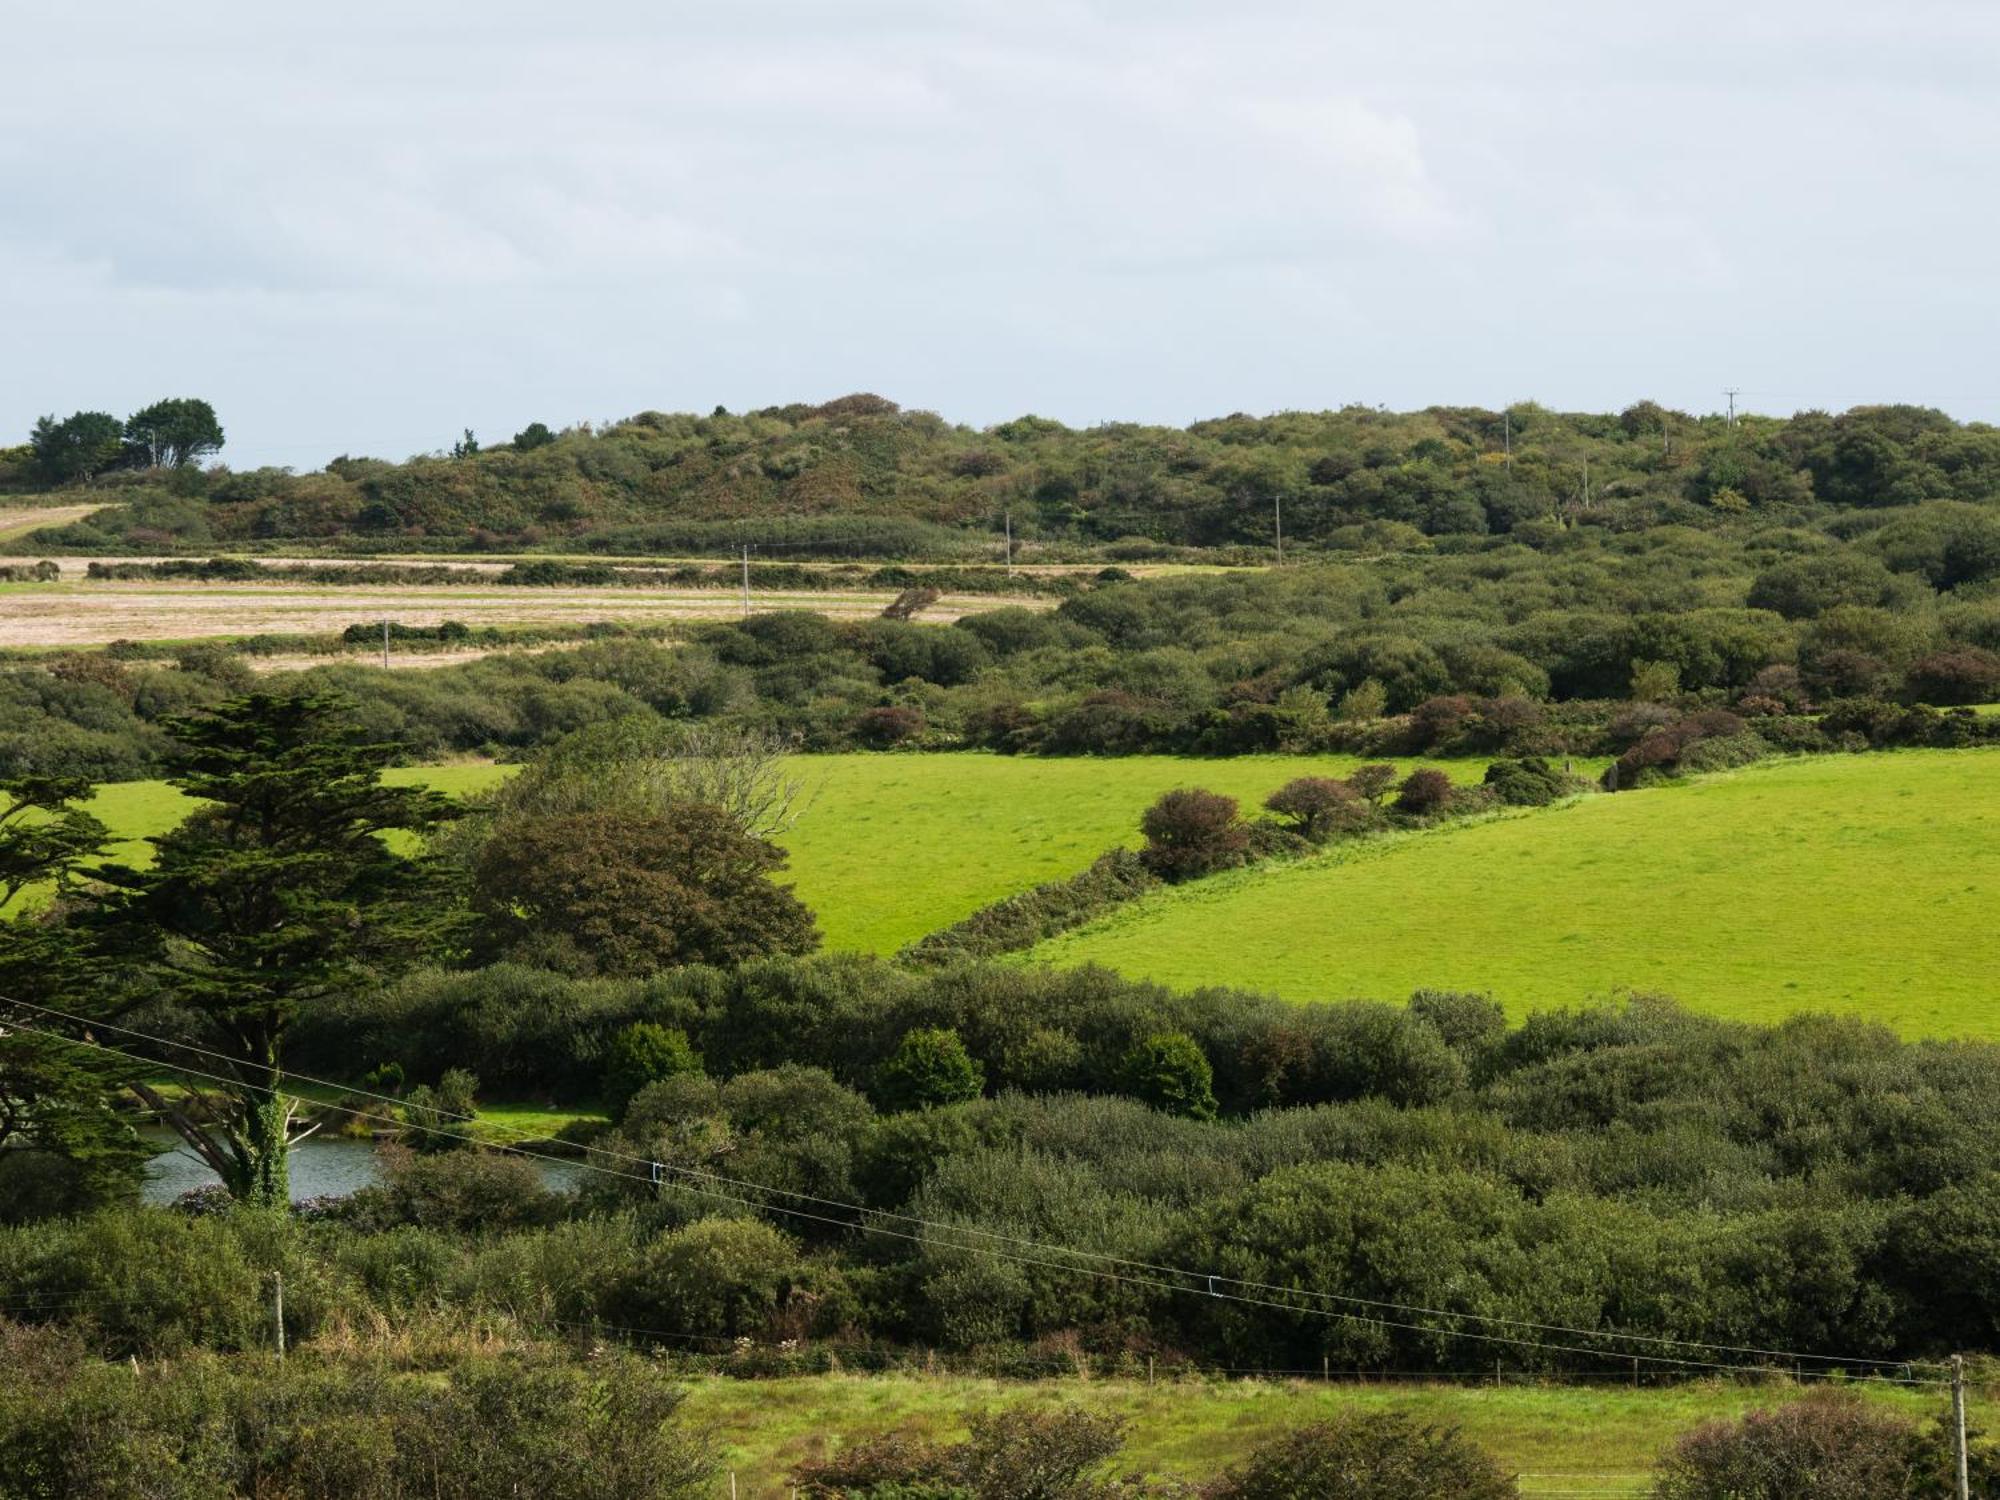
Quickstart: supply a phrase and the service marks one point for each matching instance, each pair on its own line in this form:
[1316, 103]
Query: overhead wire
[1185, 1282]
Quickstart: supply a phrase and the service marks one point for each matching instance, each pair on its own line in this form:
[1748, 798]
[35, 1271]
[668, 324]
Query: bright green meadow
[890, 847]
[1860, 884]
[1864, 884]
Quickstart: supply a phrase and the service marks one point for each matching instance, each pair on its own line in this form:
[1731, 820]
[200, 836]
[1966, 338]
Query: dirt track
[18, 520]
[87, 614]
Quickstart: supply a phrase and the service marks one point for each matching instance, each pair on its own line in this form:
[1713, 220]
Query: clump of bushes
[1828, 1445]
[1191, 832]
[1015, 1454]
[437, 1118]
[1424, 792]
[1529, 782]
[1383, 1456]
[533, 1423]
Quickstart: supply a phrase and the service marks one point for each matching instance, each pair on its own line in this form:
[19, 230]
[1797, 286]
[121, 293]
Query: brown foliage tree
[1373, 782]
[1424, 792]
[1191, 832]
[1319, 807]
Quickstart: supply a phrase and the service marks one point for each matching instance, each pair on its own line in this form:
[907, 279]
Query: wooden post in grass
[278, 1313]
[1962, 1477]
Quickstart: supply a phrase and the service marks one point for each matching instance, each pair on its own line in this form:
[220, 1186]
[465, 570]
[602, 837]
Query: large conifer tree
[279, 893]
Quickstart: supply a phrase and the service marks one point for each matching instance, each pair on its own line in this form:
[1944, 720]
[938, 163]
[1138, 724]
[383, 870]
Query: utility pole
[1732, 392]
[1278, 526]
[385, 645]
[746, 582]
[1507, 437]
[278, 1313]
[1962, 1476]
[1010, 543]
[1586, 481]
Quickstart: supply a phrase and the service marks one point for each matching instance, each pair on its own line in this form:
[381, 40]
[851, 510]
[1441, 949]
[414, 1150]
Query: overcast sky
[363, 228]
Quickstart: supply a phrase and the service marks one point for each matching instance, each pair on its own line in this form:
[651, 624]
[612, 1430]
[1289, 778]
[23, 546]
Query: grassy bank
[1858, 884]
[1563, 1440]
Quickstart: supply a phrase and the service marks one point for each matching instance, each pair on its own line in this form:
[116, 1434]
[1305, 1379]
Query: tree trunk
[263, 1166]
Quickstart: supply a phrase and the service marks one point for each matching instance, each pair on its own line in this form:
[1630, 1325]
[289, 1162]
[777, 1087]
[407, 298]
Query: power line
[654, 1167]
[1210, 1284]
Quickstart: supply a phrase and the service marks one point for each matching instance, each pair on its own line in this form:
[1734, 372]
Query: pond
[322, 1167]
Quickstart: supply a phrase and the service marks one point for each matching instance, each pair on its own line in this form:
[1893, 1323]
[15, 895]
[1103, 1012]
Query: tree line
[1802, 641]
[860, 474]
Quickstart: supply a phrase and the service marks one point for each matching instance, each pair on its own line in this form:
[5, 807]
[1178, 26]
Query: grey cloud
[369, 227]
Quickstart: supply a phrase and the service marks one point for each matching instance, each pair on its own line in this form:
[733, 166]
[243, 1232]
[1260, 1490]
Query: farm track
[18, 520]
[15, 524]
[91, 614]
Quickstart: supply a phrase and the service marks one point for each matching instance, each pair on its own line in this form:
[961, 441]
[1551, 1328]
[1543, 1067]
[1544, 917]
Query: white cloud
[368, 228]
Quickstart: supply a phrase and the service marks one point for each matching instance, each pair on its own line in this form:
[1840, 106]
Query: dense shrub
[716, 1277]
[1382, 1456]
[437, 1118]
[1170, 1072]
[928, 1068]
[1022, 920]
[1828, 1445]
[1424, 792]
[643, 1053]
[1529, 782]
[886, 727]
[464, 1191]
[485, 1428]
[1018, 1453]
[1191, 832]
[598, 892]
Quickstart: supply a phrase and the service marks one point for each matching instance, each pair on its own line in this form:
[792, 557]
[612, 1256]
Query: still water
[322, 1166]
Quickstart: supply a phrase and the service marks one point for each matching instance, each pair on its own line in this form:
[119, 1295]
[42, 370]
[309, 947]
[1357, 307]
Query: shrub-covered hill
[861, 475]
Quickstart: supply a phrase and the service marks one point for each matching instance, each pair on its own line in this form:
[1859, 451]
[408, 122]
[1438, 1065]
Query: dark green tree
[608, 893]
[279, 894]
[643, 1053]
[437, 1116]
[54, 1093]
[79, 446]
[929, 1068]
[534, 435]
[1170, 1072]
[174, 433]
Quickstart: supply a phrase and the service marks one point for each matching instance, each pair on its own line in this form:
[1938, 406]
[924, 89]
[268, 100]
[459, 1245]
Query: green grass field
[1564, 1441]
[1788, 886]
[896, 846]
[1861, 884]
[891, 847]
